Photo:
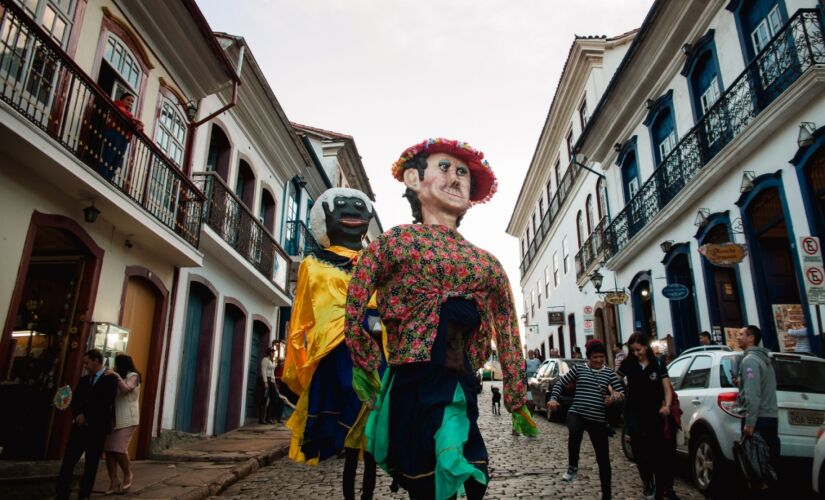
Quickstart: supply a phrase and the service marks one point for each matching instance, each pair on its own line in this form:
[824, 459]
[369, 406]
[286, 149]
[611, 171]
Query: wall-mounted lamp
[191, 110]
[650, 103]
[90, 213]
[617, 147]
[523, 318]
[644, 292]
[666, 246]
[701, 217]
[596, 279]
[301, 181]
[686, 48]
[806, 134]
[747, 181]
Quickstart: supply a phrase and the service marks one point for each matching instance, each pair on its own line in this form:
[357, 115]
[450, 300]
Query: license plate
[806, 417]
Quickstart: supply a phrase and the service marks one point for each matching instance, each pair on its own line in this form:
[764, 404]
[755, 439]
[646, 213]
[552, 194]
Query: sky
[392, 73]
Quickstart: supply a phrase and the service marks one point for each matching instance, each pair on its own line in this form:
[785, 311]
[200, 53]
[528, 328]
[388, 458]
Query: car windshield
[797, 374]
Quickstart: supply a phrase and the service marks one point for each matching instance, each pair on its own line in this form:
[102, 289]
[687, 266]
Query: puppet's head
[449, 173]
[341, 216]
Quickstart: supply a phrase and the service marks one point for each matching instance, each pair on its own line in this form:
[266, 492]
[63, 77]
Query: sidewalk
[194, 470]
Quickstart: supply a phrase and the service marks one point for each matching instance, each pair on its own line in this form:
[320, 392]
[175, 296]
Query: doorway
[641, 295]
[44, 335]
[230, 370]
[722, 284]
[193, 381]
[257, 351]
[682, 312]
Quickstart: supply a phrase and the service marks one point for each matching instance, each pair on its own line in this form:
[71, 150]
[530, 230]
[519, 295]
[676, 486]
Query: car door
[535, 384]
[676, 371]
[693, 394]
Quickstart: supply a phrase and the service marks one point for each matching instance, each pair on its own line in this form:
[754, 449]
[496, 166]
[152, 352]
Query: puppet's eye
[444, 165]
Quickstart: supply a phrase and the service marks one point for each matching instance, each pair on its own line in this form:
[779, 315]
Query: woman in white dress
[127, 418]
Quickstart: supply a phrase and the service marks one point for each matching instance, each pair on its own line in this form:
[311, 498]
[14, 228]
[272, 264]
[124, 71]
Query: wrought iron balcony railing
[299, 239]
[553, 208]
[228, 216]
[591, 250]
[788, 55]
[45, 86]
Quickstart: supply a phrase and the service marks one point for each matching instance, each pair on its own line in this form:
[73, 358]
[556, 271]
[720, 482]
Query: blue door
[258, 332]
[189, 361]
[224, 372]
[683, 312]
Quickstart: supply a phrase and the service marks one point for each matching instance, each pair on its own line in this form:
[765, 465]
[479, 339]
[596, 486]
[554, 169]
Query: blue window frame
[704, 78]
[629, 165]
[661, 123]
[757, 21]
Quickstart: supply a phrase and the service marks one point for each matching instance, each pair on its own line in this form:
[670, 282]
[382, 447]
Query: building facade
[562, 209]
[708, 138]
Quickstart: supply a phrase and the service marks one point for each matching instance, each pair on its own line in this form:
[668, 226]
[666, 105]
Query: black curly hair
[419, 162]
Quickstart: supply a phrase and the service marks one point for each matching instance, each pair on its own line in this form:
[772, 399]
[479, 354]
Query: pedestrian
[127, 418]
[757, 397]
[597, 387]
[648, 416]
[798, 331]
[618, 356]
[268, 390]
[329, 419]
[93, 410]
[116, 136]
[577, 352]
[443, 301]
[705, 339]
[532, 364]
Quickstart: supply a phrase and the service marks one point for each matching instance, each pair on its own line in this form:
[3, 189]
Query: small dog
[496, 401]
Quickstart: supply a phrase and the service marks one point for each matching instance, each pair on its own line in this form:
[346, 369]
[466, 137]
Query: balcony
[790, 53]
[550, 216]
[590, 253]
[230, 218]
[299, 239]
[44, 87]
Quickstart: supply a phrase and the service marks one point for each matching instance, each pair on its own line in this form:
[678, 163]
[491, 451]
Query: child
[496, 401]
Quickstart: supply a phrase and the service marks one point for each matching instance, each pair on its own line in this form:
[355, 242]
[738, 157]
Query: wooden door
[189, 362]
[139, 309]
[224, 372]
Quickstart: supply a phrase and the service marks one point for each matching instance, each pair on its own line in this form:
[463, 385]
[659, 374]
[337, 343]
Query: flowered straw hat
[485, 184]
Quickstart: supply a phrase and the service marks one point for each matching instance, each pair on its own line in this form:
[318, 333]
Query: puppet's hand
[523, 422]
[366, 384]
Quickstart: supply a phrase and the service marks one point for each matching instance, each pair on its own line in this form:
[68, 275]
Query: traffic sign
[810, 253]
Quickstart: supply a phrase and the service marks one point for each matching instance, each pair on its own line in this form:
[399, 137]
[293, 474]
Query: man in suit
[93, 409]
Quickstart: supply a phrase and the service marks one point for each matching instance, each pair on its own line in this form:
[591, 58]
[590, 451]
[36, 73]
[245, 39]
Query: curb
[235, 474]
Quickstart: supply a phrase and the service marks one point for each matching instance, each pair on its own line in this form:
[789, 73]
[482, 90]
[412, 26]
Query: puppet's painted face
[446, 184]
[347, 221]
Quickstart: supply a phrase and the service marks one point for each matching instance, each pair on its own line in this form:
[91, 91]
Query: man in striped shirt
[597, 386]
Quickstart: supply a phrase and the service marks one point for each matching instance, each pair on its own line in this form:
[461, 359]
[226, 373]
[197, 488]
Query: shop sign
[787, 317]
[724, 254]
[812, 270]
[555, 318]
[675, 291]
[615, 298]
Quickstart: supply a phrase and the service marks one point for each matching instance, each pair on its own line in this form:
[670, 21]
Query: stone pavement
[520, 467]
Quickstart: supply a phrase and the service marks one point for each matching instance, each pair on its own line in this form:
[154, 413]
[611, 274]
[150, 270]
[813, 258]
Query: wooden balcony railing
[46, 87]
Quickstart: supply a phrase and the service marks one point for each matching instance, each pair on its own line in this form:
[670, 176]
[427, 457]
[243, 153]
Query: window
[557, 170]
[523, 248]
[630, 176]
[583, 116]
[541, 207]
[538, 294]
[667, 145]
[728, 368]
[677, 369]
[547, 282]
[766, 29]
[662, 127]
[535, 224]
[757, 22]
[580, 227]
[549, 191]
[528, 234]
[566, 254]
[710, 95]
[588, 210]
[601, 192]
[533, 303]
[170, 135]
[569, 141]
[698, 376]
[556, 269]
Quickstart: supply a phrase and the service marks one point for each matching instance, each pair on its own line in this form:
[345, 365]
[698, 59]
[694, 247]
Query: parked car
[705, 382]
[818, 472]
[542, 384]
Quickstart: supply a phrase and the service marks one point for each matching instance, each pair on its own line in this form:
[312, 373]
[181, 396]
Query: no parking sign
[810, 253]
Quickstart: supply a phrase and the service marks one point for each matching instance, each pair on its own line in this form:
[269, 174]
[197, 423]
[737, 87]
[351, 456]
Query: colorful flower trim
[484, 179]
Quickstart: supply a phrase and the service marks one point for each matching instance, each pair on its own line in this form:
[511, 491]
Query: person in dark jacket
[93, 409]
[648, 406]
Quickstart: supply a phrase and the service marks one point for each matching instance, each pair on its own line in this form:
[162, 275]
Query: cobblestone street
[520, 468]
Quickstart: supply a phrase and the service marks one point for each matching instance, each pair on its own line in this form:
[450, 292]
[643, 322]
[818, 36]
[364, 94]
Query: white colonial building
[710, 133]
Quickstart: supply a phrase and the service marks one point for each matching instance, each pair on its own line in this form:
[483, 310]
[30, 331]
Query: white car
[704, 380]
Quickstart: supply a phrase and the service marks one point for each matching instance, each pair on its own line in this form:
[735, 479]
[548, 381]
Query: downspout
[194, 125]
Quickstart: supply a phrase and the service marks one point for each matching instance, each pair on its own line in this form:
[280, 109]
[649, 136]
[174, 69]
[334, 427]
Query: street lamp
[596, 278]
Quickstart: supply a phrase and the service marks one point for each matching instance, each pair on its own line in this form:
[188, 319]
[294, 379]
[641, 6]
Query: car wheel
[705, 462]
[626, 448]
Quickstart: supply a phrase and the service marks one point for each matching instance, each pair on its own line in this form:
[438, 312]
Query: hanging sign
[724, 254]
[555, 318]
[675, 291]
[615, 298]
[812, 270]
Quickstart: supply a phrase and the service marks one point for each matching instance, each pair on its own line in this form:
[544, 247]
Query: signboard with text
[724, 254]
[675, 291]
[555, 318]
[810, 253]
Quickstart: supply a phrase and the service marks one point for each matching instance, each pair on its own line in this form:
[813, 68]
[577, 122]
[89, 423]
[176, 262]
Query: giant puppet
[329, 418]
[442, 301]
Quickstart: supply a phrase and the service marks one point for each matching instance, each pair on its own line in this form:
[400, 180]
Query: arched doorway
[219, 153]
[143, 313]
[193, 378]
[812, 177]
[45, 335]
[230, 369]
[722, 284]
[257, 351]
[641, 296]
[773, 264]
[605, 327]
[682, 312]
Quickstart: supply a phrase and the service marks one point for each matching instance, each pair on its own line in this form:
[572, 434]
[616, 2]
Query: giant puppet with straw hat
[442, 301]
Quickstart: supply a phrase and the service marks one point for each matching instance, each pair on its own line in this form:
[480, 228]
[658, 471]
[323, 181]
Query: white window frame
[546, 282]
[170, 141]
[766, 29]
[556, 269]
[565, 249]
[633, 187]
[667, 145]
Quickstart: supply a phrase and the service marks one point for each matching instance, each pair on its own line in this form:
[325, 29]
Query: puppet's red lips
[352, 222]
